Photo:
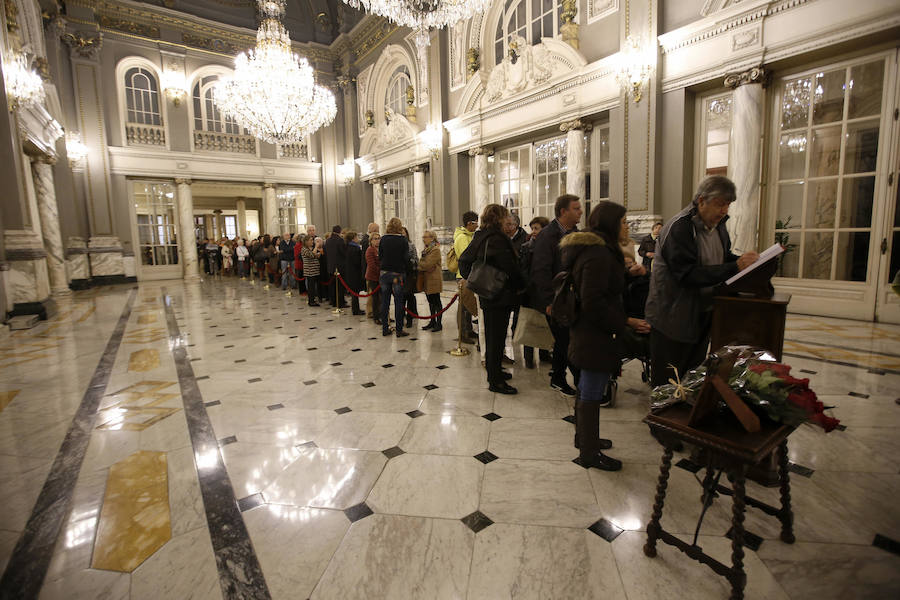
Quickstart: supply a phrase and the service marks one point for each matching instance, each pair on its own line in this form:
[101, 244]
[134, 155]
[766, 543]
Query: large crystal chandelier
[23, 86]
[273, 93]
[423, 15]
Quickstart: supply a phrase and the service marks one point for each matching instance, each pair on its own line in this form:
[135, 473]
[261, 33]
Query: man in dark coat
[335, 258]
[647, 249]
[693, 256]
[545, 264]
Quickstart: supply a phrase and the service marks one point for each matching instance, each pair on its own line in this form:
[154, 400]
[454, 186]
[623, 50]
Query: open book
[765, 256]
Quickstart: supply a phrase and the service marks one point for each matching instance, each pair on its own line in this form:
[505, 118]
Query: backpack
[566, 304]
[452, 260]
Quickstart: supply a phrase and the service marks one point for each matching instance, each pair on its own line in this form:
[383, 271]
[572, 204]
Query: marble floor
[215, 439]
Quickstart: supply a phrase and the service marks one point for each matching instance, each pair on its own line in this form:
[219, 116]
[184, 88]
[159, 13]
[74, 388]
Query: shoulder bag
[486, 280]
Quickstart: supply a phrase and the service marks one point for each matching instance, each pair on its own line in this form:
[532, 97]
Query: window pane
[717, 159]
[792, 150]
[790, 203]
[817, 250]
[536, 31]
[795, 104]
[548, 26]
[828, 97]
[789, 261]
[852, 256]
[603, 187]
[826, 152]
[856, 202]
[861, 153]
[820, 204]
[146, 255]
[866, 83]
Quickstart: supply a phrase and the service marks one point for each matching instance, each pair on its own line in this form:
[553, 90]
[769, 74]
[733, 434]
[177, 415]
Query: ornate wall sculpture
[457, 56]
[525, 67]
[362, 89]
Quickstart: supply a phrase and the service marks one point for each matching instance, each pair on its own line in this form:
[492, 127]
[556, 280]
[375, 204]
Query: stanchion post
[337, 303]
[459, 350]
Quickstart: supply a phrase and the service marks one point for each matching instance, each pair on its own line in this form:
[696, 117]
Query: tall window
[207, 116]
[513, 180]
[550, 174]
[715, 135]
[142, 97]
[293, 209]
[156, 224]
[230, 226]
[396, 92]
[399, 199]
[826, 159]
[530, 19]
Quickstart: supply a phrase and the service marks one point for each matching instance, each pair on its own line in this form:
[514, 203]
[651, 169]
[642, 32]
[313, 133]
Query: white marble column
[187, 245]
[242, 218]
[270, 208]
[45, 191]
[419, 209]
[574, 157]
[378, 203]
[744, 156]
[482, 190]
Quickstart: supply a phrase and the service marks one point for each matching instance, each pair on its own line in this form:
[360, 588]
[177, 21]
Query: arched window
[142, 97]
[396, 91]
[207, 116]
[530, 19]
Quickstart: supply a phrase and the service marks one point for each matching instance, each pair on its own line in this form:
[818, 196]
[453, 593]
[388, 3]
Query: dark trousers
[561, 353]
[391, 287]
[666, 353]
[434, 307]
[312, 288]
[375, 299]
[496, 321]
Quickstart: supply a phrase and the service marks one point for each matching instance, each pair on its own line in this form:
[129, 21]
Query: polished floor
[217, 439]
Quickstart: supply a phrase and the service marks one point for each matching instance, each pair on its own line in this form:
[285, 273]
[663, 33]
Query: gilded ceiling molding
[149, 31]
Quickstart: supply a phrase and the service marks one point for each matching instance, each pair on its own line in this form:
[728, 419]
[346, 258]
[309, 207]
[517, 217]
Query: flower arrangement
[765, 385]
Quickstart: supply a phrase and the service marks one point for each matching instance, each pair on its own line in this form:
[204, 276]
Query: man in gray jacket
[693, 256]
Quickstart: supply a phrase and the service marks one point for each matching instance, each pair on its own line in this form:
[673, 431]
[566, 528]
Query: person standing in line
[462, 236]
[335, 258]
[525, 253]
[352, 271]
[243, 259]
[430, 268]
[647, 249]
[310, 254]
[514, 230]
[364, 244]
[393, 253]
[285, 255]
[494, 248]
[693, 256]
[545, 264]
[373, 269]
[409, 284]
[212, 257]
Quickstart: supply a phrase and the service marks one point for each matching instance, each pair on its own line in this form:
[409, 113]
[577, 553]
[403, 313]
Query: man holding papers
[693, 256]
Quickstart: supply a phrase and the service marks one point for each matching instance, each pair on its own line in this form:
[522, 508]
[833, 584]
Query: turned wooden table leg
[653, 527]
[786, 515]
[738, 578]
[707, 486]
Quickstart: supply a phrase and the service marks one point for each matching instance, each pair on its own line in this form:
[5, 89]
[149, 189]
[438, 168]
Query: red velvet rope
[347, 287]
[437, 314]
[294, 275]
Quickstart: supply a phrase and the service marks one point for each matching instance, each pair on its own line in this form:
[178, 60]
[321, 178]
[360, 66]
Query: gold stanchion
[459, 350]
[337, 303]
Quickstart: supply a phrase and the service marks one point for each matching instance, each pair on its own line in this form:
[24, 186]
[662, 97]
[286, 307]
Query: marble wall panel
[107, 263]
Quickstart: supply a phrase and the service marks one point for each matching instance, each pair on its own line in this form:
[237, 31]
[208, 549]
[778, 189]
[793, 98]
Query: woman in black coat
[597, 265]
[352, 270]
[491, 245]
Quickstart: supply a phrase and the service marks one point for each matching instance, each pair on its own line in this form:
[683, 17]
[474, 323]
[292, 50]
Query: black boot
[587, 426]
[602, 443]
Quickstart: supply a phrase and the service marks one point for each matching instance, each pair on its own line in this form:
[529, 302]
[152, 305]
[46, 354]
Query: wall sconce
[174, 85]
[24, 87]
[347, 170]
[432, 139]
[75, 149]
[635, 66]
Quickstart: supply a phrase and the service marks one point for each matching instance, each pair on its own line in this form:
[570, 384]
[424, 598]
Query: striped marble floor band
[239, 572]
[28, 564]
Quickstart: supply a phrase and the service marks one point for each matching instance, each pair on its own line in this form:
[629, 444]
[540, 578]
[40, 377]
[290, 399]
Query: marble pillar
[270, 210]
[574, 157]
[482, 189]
[187, 246]
[27, 281]
[106, 256]
[378, 203]
[420, 223]
[744, 153]
[77, 263]
[45, 191]
[242, 218]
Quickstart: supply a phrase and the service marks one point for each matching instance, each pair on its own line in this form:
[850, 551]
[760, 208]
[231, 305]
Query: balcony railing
[298, 150]
[212, 141]
[145, 135]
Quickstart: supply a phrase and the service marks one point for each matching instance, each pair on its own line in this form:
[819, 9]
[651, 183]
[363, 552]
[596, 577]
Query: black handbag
[486, 280]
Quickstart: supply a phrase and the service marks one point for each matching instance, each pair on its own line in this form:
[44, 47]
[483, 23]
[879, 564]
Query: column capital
[568, 126]
[752, 75]
[419, 169]
[183, 181]
[378, 181]
[479, 150]
[269, 186]
[42, 158]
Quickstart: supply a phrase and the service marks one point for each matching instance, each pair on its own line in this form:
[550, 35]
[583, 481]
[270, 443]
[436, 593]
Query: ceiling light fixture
[23, 86]
[423, 15]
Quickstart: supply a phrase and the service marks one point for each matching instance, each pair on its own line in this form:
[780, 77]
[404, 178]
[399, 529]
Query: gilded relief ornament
[752, 75]
[81, 45]
[472, 61]
[410, 95]
[370, 118]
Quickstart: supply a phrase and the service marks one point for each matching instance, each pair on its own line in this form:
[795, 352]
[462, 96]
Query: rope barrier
[435, 315]
[358, 295]
[294, 275]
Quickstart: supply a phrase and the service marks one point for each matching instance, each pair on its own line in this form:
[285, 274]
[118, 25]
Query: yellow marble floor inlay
[144, 360]
[135, 520]
[145, 335]
[146, 319]
[137, 407]
[7, 397]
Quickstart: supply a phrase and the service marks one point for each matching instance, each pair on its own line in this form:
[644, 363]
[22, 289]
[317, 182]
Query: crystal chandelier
[23, 86]
[273, 93]
[423, 15]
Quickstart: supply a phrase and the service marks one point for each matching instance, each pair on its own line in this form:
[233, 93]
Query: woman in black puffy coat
[352, 270]
[491, 245]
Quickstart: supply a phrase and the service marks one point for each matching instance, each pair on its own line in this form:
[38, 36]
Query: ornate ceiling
[307, 20]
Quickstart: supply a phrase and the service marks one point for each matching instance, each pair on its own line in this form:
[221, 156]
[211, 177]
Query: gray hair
[716, 186]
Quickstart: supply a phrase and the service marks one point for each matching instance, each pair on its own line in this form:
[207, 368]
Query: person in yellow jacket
[461, 238]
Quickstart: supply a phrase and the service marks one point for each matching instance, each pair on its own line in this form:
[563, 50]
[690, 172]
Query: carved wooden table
[725, 446]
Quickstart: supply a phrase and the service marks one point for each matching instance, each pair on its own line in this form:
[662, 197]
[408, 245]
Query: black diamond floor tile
[342, 410]
[311, 349]
[430, 387]
[393, 452]
[332, 337]
[750, 540]
[800, 470]
[213, 403]
[229, 346]
[402, 351]
[387, 366]
[486, 457]
[254, 380]
[886, 543]
[355, 349]
[688, 465]
[858, 395]
[251, 501]
[477, 521]
[195, 359]
[442, 367]
[336, 364]
[808, 372]
[368, 384]
[492, 416]
[605, 529]
[202, 377]
[310, 382]
[569, 419]
[414, 413]
[275, 406]
[360, 511]
[309, 444]
[269, 347]
[287, 362]
[227, 440]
